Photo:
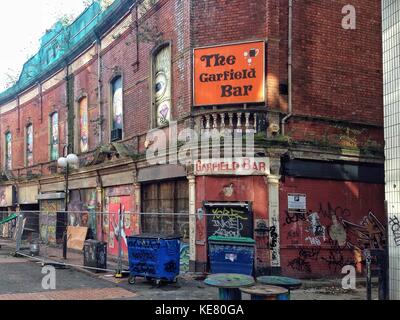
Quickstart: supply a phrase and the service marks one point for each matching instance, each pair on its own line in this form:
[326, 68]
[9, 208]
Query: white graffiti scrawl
[316, 230]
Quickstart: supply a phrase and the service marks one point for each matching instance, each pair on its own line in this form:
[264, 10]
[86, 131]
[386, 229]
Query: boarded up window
[117, 104]
[29, 145]
[8, 151]
[83, 126]
[163, 202]
[162, 85]
[54, 137]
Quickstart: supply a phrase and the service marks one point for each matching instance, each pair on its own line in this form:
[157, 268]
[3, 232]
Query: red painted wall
[253, 189]
[303, 253]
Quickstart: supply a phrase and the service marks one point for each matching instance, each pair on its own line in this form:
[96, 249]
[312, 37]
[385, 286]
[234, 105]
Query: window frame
[114, 78]
[30, 124]
[5, 153]
[78, 129]
[153, 56]
[51, 145]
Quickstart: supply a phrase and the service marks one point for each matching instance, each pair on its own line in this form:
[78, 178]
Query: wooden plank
[76, 237]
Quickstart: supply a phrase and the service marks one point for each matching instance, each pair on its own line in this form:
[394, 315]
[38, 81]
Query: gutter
[290, 65]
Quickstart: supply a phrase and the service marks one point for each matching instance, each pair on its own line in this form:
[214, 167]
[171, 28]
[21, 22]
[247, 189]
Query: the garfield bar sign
[229, 74]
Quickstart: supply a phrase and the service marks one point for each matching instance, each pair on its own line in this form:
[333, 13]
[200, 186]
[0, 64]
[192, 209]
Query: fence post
[120, 226]
[369, 282]
[19, 230]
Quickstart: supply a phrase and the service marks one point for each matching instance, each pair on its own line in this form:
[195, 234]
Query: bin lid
[155, 236]
[232, 239]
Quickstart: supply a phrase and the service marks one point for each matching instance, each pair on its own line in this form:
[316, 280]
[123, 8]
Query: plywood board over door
[130, 223]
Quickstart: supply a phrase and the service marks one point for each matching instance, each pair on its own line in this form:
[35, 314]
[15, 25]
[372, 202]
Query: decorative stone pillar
[99, 216]
[192, 222]
[137, 187]
[273, 181]
[274, 234]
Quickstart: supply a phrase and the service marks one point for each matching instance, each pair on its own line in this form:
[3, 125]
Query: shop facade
[306, 195]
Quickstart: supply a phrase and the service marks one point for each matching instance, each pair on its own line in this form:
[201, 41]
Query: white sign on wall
[297, 202]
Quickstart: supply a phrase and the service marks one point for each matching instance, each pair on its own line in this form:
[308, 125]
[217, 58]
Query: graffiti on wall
[336, 239]
[48, 220]
[336, 259]
[274, 239]
[394, 224]
[130, 223]
[327, 211]
[294, 237]
[302, 262]
[185, 257]
[230, 222]
[315, 230]
[337, 232]
[82, 209]
[295, 216]
[370, 233]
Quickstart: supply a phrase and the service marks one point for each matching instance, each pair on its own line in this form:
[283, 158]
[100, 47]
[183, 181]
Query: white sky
[22, 23]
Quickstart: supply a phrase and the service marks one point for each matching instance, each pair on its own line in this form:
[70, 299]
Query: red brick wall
[349, 201]
[86, 84]
[171, 22]
[337, 73]
[219, 21]
[54, 100]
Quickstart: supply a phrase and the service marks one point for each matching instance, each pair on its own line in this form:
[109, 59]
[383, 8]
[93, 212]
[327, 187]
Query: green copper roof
[57, 43]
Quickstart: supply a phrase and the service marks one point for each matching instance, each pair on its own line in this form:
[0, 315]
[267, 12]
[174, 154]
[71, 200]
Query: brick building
[309, 89]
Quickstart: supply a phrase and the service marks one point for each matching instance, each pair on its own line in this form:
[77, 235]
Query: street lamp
[67, 161]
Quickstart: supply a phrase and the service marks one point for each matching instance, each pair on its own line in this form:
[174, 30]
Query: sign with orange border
[229, 74]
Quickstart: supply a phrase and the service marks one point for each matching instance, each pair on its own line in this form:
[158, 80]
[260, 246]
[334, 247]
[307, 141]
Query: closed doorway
[166, 208]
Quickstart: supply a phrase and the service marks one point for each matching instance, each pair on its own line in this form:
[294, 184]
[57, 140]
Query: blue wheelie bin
[231, 255]
[154, 257]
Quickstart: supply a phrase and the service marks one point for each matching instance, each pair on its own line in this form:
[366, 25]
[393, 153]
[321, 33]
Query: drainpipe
[99, 83]
[290, 53]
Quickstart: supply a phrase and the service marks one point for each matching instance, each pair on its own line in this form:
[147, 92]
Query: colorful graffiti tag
[82, 209]
[370, 233]
[336, 239]
[48, 220]
[130, 224]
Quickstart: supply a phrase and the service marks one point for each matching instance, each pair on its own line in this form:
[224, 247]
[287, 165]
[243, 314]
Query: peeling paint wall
[341, 219]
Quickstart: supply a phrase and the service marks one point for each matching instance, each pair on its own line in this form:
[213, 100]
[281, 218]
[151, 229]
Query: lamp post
[68, 160]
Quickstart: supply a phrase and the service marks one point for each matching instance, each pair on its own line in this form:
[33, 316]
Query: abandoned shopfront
[233, 203]
[165, 200]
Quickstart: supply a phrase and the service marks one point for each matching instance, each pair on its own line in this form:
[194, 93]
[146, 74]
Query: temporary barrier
[96, 241]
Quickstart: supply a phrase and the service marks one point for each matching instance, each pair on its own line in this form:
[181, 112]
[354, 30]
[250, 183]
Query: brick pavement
[78, 294]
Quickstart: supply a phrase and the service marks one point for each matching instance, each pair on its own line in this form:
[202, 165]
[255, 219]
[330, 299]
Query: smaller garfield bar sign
[229, 74]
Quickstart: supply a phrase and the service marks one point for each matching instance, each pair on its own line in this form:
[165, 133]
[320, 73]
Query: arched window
[54, 137]
[29, 145]
[162, 85]
[8, 151]
[83, 125]
[117, 103]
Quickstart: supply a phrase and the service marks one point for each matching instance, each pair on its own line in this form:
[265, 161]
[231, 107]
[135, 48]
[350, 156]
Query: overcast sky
[22, 23]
